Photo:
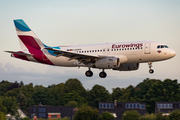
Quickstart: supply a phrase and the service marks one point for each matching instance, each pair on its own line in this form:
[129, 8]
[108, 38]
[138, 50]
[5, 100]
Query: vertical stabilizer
[27, 39]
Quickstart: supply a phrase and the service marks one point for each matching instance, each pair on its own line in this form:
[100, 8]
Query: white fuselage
[148, 52]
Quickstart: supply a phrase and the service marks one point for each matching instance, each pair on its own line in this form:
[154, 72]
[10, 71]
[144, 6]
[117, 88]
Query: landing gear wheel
[89, 73]
[151, 71]
[102, 74]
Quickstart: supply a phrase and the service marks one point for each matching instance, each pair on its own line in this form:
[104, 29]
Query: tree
[175, 115]
[74, 96]
[2, 116]
[128, 94]
[21, 100]
[86, 113]
[131, 115]
[10, 104]
[106, 116]
[72, 104]
[4, 87]
[98, 93]
[116, 93]
[40, 95]
[2, 108]
[75, 85]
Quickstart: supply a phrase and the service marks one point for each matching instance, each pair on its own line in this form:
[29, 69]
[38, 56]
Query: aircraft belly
[62, 61]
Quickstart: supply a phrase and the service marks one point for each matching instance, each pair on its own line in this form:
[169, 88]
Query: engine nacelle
[107, 63]
[127, 67]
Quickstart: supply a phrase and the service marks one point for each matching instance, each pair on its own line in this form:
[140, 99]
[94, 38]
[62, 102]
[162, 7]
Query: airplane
[119, 56]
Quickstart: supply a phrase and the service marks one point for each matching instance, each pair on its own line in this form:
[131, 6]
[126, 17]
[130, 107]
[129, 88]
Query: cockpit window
[162, 46]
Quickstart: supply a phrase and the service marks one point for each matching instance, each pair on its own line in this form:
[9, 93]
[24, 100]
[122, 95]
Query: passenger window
[130, 48]
[95, 50]
[104, 50]
[117, 49]
[92, 50]
[87, 51]
[82, 51]
[158, 46]
[114, 49]
[125, 48]
[100, 50]
[111, 49]
[162, 46]
[166, 46]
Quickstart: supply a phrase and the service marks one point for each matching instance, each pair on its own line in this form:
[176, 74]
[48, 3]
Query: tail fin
[28, 40]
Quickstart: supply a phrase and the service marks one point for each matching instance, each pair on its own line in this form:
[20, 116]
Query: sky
[59, 22]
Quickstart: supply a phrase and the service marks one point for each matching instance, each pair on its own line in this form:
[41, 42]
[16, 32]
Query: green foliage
[117, 92]
[72, 104]
[21, 99]
[131, 115]
[148, 91]
[40, 95]
[75, 85]
[74, 96]
[98, 93]
[10, 104]
[151, 116]
[26, 118]
[4, 87]
[2, 116]
[106, 116]
[159, 116]
[86, 113]
[175, 115]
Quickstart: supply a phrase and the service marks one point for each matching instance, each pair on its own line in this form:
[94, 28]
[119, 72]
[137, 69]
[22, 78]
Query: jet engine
[107, 63]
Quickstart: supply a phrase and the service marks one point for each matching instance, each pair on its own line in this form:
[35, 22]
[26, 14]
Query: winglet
[21, 25]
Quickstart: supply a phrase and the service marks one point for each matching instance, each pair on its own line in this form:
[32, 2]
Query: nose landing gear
[151, 71]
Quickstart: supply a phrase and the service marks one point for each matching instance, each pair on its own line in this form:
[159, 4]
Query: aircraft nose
[172, 53]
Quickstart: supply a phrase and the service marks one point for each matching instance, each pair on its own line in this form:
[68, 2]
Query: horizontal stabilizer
[19, 53]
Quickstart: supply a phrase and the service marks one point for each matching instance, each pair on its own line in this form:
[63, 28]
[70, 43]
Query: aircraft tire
[102, 74]
[151, 71]
[89, 73]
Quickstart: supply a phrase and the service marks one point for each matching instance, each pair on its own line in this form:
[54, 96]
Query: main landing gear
[102, 74]
[89, 73]
[151, 71]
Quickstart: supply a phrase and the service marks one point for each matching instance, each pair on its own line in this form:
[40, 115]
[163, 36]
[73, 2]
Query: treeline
[72, 93]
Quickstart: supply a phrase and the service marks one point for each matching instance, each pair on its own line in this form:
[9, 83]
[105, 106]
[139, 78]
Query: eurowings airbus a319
[122, 56]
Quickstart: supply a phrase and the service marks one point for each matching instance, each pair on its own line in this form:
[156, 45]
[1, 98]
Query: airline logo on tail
[29, 42]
